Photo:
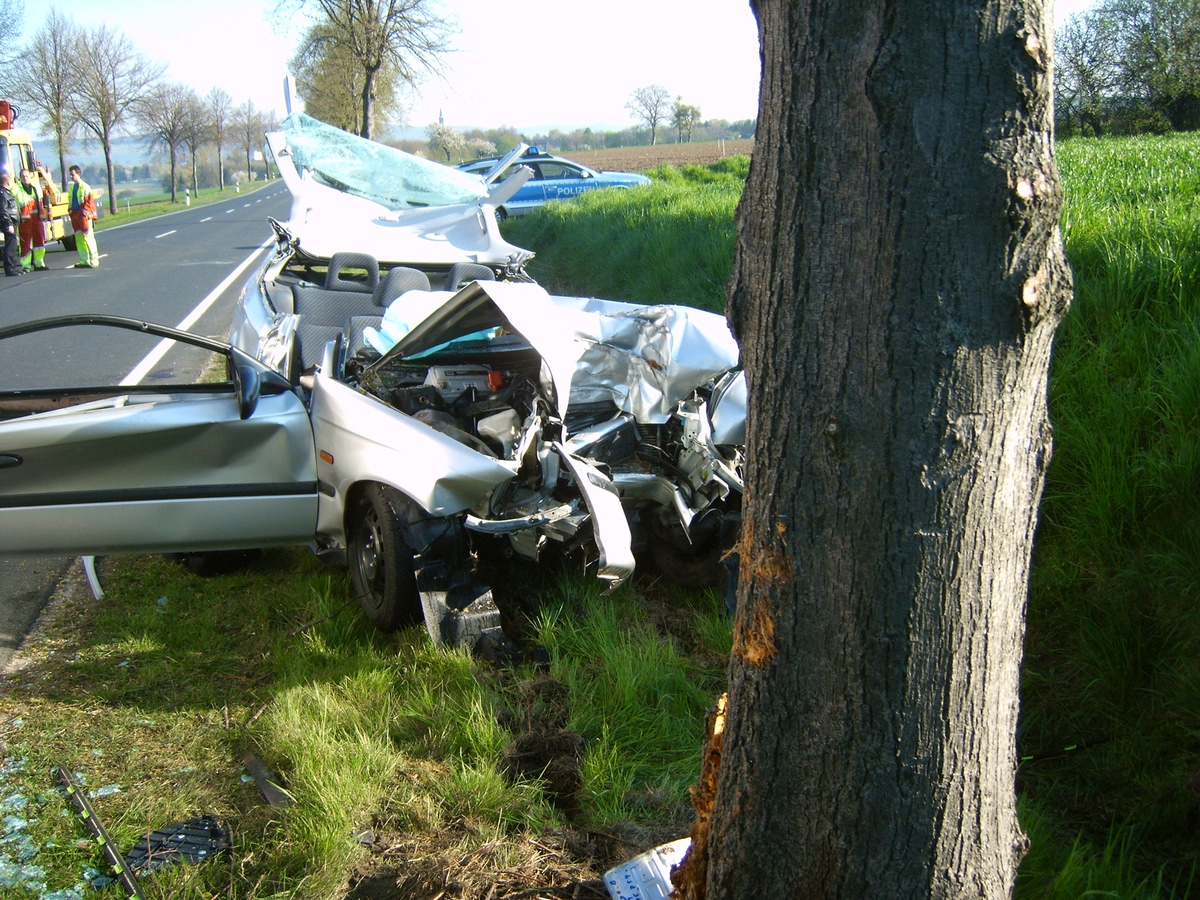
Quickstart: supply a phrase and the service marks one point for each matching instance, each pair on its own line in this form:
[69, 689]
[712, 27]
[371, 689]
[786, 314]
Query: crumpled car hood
[348, 191]
[646, 359]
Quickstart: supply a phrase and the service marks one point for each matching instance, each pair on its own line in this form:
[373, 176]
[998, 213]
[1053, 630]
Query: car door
[562, 180]
[206, 450]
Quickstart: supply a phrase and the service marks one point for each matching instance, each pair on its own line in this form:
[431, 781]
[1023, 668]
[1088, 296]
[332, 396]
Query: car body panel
[551, 178]
[148, 469]
[348, 191]
[441, 474]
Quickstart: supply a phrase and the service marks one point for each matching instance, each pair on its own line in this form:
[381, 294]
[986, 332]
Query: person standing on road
[10, 223]
[83, 213]
[33, 228]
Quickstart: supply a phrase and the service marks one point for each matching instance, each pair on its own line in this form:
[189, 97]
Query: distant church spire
[441, 118]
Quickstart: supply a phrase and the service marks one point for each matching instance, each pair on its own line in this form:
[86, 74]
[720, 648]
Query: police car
[554, 178]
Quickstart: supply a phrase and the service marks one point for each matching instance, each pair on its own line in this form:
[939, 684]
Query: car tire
[381, 563]
[501, 213]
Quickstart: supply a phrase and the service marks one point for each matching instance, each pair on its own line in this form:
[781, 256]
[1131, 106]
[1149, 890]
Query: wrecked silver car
[492, 422]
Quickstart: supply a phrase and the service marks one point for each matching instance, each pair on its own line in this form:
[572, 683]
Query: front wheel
[381, 563]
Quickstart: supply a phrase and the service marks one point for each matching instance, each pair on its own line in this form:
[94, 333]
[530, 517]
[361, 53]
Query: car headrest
[398, 280]
[340, 261]
[464, 273]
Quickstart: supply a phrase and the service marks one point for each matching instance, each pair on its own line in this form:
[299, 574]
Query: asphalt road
[162, 270]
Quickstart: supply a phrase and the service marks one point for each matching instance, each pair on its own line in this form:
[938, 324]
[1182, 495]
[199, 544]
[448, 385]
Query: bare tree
[44, 74]
[196, 133]
[1087, 70]
[650, 105]
[113, 78]
[400, 39]
[248, 131]
[12, 19]
[898, 280]
[267, 121]
[163, 113]
[219, 108]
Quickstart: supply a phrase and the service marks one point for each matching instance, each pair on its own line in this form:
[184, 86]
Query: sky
[532, 65]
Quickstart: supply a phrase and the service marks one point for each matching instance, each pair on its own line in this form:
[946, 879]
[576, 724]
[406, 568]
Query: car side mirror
[249, 387]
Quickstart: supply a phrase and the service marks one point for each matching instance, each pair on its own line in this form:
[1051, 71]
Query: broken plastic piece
[268, 782]
[193, 841]
[648, 876]
[89, 568]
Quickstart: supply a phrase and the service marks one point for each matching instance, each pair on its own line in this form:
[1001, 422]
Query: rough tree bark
[898, 281]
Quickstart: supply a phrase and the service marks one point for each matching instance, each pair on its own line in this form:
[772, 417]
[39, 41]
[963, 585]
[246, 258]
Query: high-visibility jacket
[83, 206]
[27, 199]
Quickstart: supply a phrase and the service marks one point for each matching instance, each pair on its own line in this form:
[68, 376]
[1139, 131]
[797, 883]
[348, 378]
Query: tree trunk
[106, 143]
[898, 280]
[62, 158]
[368, 101]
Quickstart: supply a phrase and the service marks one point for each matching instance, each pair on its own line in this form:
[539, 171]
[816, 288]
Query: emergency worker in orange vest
[28, 192]
[83, 213]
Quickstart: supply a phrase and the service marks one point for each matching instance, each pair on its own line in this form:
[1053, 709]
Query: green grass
[1113, 653]
[1113, 649]
[161, 687]
[671, 242]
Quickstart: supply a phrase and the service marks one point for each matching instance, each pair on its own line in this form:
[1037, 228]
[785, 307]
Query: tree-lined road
[157, 269]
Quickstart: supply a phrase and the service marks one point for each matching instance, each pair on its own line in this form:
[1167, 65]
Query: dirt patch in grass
[563, 864]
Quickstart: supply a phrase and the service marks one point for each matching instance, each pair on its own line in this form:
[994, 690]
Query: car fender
[359, 439]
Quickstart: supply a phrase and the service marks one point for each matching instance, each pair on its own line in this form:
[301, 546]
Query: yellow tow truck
[16, 153]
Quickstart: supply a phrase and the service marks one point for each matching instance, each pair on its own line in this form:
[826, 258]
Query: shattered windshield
[367, 169]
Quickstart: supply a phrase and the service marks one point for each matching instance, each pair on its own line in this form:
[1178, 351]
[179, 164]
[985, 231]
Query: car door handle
[7, 460]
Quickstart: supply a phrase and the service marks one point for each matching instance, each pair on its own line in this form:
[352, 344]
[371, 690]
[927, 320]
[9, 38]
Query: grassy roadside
[412, 770]
[149, 210]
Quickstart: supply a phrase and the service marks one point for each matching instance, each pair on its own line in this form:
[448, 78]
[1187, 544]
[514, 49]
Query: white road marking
[164, 234]
[155, 356]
